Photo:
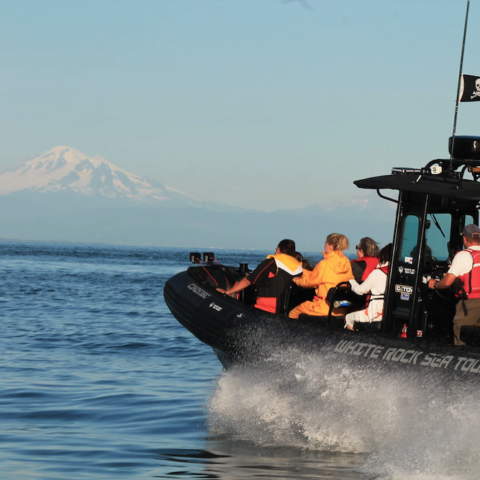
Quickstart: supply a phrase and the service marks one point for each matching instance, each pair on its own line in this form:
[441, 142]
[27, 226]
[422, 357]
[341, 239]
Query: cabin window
[410, 238]
[438, 236]
[468, 220]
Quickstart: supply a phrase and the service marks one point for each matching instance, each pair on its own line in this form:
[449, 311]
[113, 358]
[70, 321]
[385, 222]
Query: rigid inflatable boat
[434, 203]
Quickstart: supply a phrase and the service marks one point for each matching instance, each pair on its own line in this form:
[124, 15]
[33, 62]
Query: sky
[263, 104]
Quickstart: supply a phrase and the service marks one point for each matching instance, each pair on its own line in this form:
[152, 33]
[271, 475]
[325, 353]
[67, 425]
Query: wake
[409, 424]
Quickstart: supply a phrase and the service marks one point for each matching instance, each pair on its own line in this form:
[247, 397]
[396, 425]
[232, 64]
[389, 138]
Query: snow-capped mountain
[66, 169]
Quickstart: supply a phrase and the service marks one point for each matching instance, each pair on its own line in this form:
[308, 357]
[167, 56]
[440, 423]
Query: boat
[433, 204]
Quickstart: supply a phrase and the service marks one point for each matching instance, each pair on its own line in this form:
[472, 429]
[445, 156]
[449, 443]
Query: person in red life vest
[271, 278]
[465, 267]
[374, 285]
[367, 259]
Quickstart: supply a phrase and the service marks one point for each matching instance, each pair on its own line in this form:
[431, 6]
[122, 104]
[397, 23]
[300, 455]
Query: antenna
[458, 86]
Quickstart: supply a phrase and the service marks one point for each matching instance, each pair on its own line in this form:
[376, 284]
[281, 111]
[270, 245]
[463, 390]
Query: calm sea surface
[99, 381]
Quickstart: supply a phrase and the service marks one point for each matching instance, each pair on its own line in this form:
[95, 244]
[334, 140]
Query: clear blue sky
[257, 103]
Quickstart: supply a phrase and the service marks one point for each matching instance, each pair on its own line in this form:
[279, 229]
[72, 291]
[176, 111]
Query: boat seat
[294, 296]
[338, 321]
[365, 326]
[342, 292]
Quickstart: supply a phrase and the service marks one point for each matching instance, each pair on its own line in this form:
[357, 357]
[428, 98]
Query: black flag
[470, 89]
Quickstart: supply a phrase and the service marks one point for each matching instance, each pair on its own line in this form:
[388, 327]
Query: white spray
[410, 424]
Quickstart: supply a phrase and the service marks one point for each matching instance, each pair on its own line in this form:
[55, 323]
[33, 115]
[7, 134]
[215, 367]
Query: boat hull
[240, 333]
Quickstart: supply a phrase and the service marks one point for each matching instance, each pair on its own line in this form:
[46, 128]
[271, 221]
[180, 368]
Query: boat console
[434, 203]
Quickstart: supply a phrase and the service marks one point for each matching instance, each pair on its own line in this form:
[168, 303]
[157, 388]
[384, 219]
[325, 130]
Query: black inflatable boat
[434, 203]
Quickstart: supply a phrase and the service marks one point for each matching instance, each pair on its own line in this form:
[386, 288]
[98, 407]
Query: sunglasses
[358, 247]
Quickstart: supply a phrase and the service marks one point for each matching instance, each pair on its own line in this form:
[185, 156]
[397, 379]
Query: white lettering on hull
[198, 291]
[408, 356]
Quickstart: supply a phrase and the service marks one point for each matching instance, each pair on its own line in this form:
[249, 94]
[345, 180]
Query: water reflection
[232, 460]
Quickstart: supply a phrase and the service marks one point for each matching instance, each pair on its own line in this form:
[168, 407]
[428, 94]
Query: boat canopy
[439, 185]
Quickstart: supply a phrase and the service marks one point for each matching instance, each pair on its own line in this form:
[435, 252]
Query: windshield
[410, 239]
[438, 236]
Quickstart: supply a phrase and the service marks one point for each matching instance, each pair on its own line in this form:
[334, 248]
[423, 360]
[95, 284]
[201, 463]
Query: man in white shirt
[465, 265]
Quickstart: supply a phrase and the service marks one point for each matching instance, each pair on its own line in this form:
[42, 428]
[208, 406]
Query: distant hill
[64, 195]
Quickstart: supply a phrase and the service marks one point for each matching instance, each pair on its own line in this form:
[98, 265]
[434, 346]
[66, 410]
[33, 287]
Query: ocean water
[99, 381]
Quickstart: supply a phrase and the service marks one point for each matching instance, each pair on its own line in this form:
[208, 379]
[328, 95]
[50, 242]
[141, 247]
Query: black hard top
[447, 183]
[468, 190]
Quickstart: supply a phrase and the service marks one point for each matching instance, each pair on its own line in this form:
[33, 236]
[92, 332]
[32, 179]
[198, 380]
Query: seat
[294, 296]
[342, 292]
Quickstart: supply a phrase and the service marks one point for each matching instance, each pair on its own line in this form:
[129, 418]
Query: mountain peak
[66, 169]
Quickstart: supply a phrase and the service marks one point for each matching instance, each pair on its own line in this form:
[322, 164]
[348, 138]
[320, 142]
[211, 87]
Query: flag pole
[458, 86]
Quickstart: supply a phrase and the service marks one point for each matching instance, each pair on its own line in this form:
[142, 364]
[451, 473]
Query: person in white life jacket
[272, 277]
[374, 285]
[465, 267]
[367, 259]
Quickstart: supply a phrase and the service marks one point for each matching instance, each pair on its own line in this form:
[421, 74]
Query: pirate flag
[469, 89]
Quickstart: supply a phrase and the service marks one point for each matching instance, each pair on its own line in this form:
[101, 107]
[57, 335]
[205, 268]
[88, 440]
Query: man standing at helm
[466, 267]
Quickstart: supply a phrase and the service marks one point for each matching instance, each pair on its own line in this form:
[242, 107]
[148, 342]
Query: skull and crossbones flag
[469, 89]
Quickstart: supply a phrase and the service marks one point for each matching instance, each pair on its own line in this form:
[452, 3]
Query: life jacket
[370, 265]
[273, 288]
[471, 280]
[385, 269]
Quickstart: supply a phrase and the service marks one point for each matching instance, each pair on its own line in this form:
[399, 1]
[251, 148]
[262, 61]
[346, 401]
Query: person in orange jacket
[333, 269]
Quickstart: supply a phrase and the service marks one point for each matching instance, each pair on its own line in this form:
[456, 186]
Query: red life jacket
[471, 280]
[385, 269]
[371, 264]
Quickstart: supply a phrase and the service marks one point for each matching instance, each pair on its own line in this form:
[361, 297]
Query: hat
[471, 231]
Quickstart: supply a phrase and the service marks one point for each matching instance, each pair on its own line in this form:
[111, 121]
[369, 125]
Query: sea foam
[409, 424]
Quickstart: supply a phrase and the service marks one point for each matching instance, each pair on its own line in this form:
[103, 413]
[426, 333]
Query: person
[429, 258]
[375, 285]
[333, 269]
[305, 263]
[367, 259]
[272, 277]
[464, 266]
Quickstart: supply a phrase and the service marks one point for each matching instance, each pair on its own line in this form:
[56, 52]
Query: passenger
[272, 277]
[367, 259]
[305, 263]
[429, 259]
[375, 285]
[468, 311]
[333, 269]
